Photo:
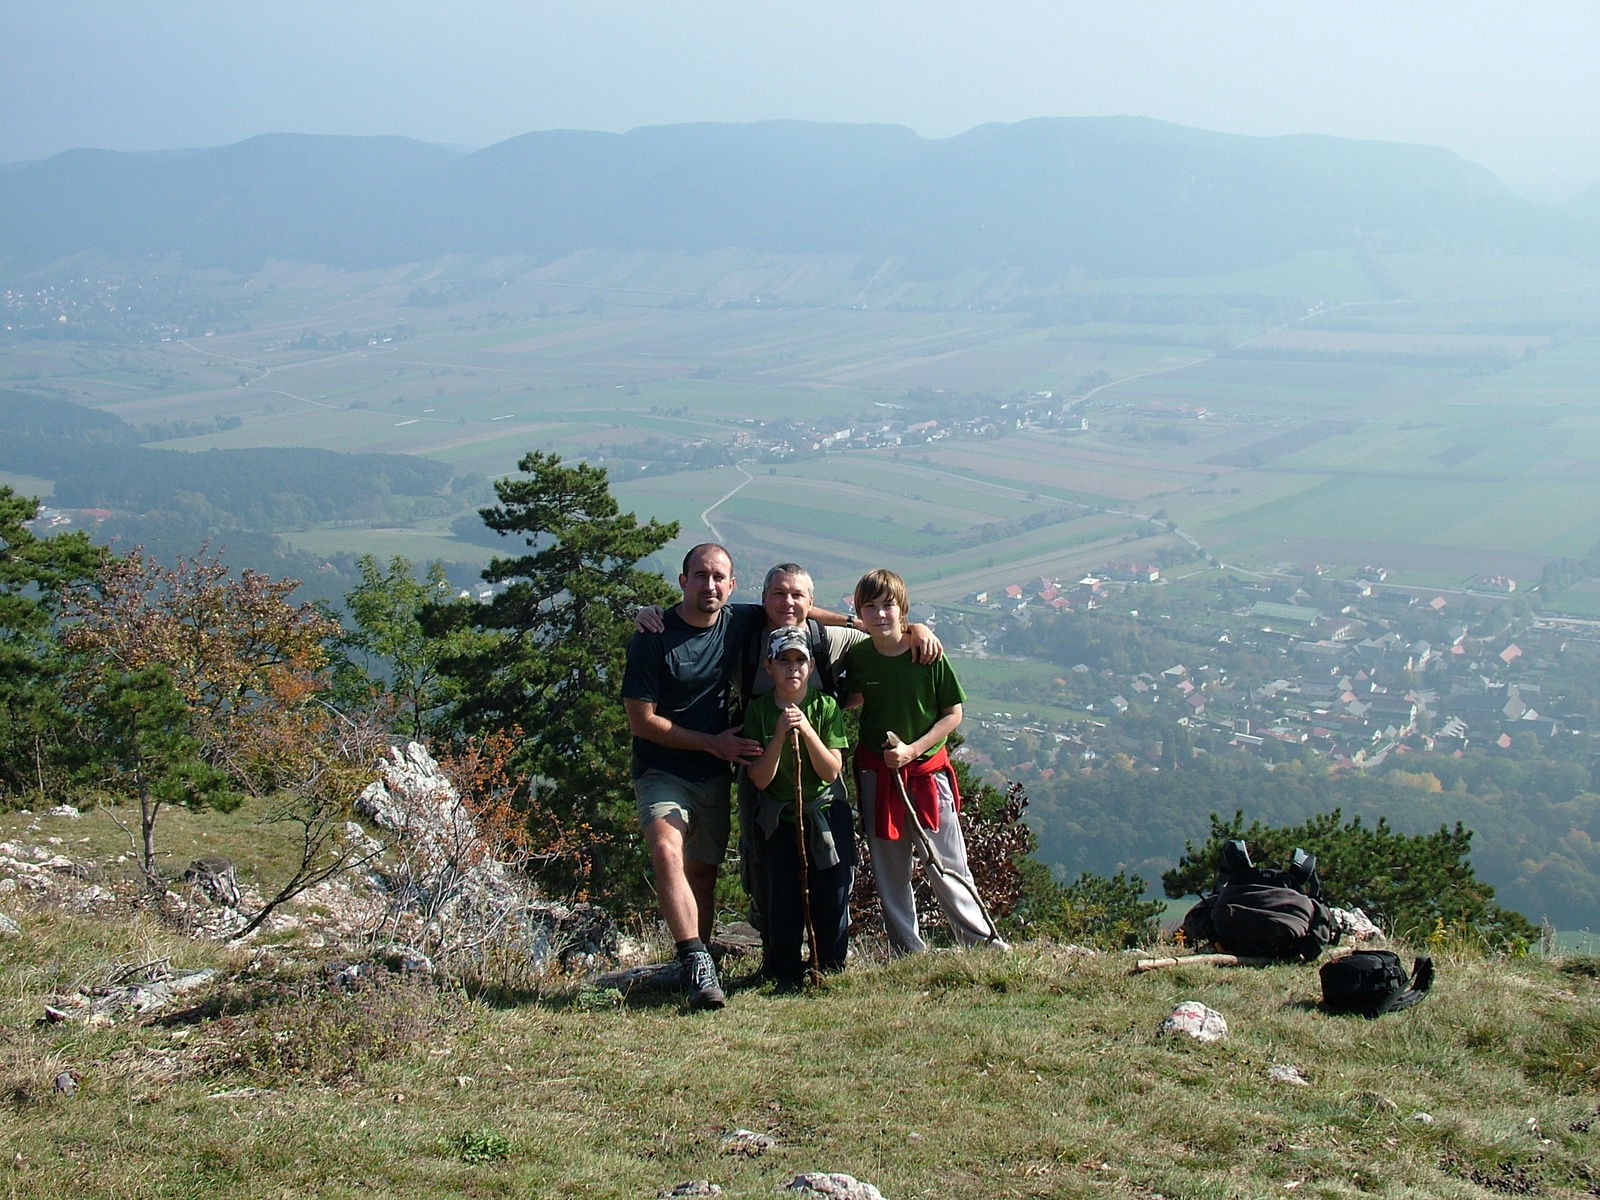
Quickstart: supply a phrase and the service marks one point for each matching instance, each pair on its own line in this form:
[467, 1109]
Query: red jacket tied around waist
[921, 783]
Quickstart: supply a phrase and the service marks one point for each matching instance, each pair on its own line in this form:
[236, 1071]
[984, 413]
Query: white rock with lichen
[445, 880]
[831, 1185]
[1199, 1022]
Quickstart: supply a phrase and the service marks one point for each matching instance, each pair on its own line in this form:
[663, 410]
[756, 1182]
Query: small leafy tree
[137, 732]
[32, 572]
[547, 654]
[1414, 884]
[395, 653]
[312, 767]
[190, 685]
[240, 655]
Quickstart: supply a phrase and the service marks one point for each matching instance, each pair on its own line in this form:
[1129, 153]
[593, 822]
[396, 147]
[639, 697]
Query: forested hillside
[174, 501]
[96, 462]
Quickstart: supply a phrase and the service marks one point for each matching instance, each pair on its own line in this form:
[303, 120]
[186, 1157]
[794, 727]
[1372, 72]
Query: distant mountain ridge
[1105, 196]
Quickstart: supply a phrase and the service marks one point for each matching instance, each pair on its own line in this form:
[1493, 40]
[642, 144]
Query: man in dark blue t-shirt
[676, 691]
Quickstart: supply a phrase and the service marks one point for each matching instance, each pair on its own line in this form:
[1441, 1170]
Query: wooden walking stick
[805, 866]
[930, 855]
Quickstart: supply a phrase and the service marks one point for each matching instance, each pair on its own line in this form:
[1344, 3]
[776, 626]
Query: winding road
[705, 516]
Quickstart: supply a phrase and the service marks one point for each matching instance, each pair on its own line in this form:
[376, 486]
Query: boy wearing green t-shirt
[908, 710]
[772, 720]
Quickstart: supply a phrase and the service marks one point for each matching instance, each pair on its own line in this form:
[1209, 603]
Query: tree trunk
[148, 807]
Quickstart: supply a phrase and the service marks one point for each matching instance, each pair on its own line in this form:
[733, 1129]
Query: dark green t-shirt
[899, 694]
[822, 710]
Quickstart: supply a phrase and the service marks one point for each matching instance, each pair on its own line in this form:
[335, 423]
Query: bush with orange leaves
[247, 667]
[244, 660]
[513, 825]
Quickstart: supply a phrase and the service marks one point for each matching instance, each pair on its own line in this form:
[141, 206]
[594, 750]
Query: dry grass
[1038, 1074]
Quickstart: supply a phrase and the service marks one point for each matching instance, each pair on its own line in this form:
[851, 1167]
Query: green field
[1437, 414]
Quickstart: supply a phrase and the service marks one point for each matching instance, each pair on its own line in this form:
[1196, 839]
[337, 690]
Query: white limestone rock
[826, 1185]
[1197, 1021]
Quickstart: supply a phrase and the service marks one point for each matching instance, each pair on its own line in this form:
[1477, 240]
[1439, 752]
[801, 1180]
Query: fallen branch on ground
[1216, 960]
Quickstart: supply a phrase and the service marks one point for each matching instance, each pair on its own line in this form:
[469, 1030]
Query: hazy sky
[1510, 85]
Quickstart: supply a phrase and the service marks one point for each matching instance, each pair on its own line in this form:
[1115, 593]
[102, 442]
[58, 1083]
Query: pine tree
[546, 655]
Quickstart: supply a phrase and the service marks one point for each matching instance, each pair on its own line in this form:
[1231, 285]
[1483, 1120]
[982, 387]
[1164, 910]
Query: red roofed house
[1138, 572]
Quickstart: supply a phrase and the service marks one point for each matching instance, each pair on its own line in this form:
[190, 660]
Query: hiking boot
[700, 977]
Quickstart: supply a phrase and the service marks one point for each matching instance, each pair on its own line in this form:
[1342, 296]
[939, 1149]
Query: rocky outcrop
[449, 891]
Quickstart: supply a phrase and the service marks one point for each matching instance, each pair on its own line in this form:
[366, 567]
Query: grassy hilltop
[1035, 1074]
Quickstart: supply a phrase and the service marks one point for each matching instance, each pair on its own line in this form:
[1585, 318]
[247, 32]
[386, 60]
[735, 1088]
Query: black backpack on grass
[1260, 912]
[1373, 982]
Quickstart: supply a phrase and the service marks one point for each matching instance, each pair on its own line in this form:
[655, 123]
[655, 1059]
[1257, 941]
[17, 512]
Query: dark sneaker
[700, 977]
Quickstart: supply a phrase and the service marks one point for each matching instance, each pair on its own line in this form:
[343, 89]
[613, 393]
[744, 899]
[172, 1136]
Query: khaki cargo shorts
[703, 807]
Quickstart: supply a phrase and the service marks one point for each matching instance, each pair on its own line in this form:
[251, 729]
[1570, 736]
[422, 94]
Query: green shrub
[1108, 914]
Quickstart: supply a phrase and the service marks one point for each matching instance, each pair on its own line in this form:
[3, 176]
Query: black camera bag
[1374, 982]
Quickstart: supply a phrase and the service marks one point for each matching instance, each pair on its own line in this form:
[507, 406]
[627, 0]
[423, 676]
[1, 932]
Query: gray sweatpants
[892, 864]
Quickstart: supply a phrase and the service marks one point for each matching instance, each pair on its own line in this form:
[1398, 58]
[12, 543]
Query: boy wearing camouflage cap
[772, 719]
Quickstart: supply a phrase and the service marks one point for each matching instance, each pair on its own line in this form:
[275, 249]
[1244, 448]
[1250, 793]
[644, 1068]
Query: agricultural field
[1437, 415]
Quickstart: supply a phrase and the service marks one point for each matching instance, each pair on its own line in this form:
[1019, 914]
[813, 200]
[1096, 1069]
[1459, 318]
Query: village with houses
[1295, 665]
[897, 425]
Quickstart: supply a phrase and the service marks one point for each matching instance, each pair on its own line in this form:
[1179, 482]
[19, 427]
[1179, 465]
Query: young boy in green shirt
[908, 710]
[772, 719]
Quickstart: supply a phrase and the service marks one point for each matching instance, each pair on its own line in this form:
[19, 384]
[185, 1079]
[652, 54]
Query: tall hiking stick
[805, 865]
[931, 856]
